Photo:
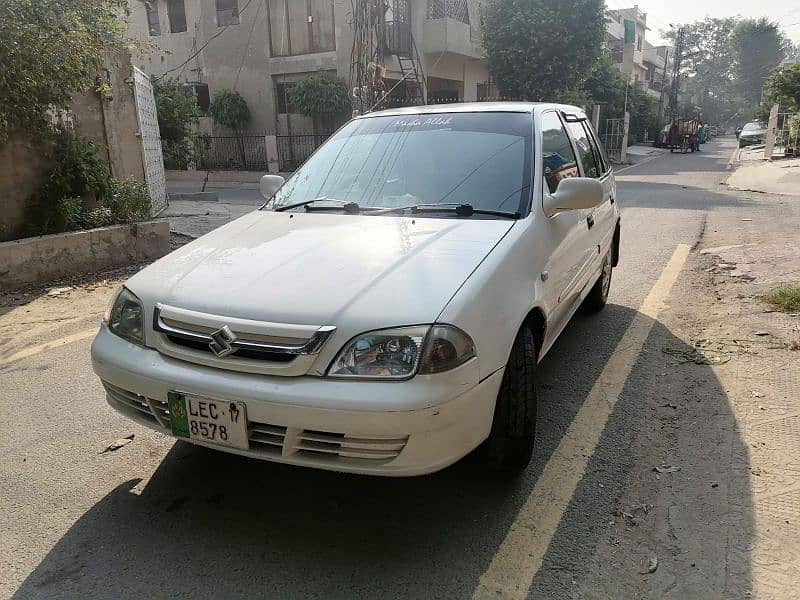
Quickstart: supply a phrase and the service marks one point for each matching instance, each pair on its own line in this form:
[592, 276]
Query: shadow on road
[207, 524]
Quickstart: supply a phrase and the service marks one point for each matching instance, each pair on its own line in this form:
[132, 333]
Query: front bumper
[404, 428]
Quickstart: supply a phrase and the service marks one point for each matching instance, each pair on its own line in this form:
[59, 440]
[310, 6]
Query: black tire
[509, 446]
[598, 295]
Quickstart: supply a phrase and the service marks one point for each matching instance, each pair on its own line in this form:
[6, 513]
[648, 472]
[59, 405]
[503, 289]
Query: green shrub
[98, 217]
[128, 201]
[230, 110]
[69, 213]
[178, 154]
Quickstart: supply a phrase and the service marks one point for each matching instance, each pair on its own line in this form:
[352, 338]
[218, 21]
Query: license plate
[213, 421]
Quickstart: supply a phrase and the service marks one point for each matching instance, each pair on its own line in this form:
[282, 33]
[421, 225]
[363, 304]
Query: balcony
[448, 28]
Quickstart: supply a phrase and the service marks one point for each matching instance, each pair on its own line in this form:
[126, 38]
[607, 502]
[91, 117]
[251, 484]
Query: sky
[660, 13]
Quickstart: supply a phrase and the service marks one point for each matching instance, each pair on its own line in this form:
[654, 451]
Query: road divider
[520, 556]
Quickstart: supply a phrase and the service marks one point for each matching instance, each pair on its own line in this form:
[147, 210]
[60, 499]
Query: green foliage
[81, 193]
[709, 67]
[177, 109]
[79, 170]
[783, 87]
[786, 298]
[49, 50]
[178, 113]
[178, 154]
[128, 201]
[758, 46]
[540, 49]
[230, 110]
[323, 96]
[605, 85]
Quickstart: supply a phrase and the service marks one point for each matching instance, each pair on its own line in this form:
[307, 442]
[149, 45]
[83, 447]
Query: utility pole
[663, 85]
[680, 42]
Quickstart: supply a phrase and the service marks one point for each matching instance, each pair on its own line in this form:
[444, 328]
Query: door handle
[590, 221]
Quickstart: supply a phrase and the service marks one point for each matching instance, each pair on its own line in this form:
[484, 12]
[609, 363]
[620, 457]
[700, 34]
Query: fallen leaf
[666, 469]
[117, 444]
[762, 333]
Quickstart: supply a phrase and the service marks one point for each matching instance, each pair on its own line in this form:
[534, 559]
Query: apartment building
[261, 47]
[638, 60]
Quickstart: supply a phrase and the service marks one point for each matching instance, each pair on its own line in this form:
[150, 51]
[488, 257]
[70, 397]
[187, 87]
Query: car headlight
[402, 352]
[126, 317]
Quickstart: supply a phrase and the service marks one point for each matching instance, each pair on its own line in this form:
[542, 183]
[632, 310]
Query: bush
[322, 96]
[128, 201]
[178, 154]
[230, 110]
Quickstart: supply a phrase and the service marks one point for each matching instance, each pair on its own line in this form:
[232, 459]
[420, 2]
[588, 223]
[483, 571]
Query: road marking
[520, 556]
[32, 350]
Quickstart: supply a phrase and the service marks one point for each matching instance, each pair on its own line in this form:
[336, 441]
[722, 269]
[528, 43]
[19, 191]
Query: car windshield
[482, 159]
[753, 127]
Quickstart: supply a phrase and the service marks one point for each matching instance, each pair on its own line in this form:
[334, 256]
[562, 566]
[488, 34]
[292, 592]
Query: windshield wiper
[307, 202]
[461, 210]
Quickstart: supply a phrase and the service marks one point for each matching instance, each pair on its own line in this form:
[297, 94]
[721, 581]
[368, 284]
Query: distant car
[384, 311]
[752, 134]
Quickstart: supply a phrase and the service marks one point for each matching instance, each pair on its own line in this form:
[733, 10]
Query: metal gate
[152, 158]
[787, 135]
[612, 138]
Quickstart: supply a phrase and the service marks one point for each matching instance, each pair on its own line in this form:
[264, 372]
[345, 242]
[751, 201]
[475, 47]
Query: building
[261, 47]
[657, 62]
[626, 29]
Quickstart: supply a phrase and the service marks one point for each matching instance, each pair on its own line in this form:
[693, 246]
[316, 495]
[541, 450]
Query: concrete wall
[111, 121]
[44, 259]
[23, 166]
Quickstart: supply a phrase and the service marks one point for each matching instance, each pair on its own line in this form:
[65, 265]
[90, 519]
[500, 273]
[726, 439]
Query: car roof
[472, 107]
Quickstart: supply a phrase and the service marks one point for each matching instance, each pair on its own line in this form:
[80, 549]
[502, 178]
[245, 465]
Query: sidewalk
[193, 219]
[780, 177]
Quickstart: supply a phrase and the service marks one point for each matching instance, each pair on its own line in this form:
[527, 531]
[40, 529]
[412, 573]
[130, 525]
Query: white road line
[520, 556]
[32, 350]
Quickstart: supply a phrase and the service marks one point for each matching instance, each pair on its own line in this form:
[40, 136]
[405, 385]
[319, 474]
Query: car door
[595, 219]
[565, 241]
[605, 215]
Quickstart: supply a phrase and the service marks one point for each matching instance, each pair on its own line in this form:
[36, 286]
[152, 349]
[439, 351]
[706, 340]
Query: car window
[558, 156]
[753, 127]
[599, 157]
[590, 168]
[482, 159]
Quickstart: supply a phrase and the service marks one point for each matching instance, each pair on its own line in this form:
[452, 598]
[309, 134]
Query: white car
[385, 310]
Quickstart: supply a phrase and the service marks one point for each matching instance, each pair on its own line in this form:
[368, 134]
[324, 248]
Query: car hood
[323, 269]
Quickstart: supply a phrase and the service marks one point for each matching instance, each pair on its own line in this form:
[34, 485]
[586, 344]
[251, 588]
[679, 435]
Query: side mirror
[575, 193]
[269, 185]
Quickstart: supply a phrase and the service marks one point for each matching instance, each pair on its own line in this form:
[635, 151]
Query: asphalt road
[159, 519]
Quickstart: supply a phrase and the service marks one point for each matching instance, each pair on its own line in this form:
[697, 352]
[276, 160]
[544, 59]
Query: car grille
[238, 344]
[278, 440]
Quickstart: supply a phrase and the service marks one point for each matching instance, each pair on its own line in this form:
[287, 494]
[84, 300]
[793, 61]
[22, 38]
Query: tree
[230, 110]
[606, 86]
[758, 47]
[709, 66]
[50, 50]
[322, 96]
[178, 113]
[540, 49]
[783, 88]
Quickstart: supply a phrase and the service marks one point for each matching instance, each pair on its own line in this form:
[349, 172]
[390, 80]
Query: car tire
[598, 295]
[509, 446]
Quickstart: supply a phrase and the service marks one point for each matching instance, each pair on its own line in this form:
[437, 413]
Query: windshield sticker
[420, 122]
